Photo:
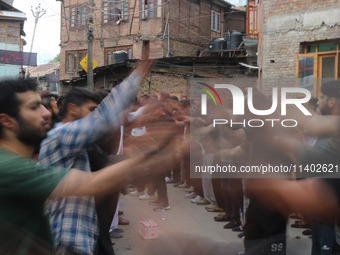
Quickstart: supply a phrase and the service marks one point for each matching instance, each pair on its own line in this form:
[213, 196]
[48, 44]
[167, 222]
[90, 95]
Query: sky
[47, 35]
[238, 2]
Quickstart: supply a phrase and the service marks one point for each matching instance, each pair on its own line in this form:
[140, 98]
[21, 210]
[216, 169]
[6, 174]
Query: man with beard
[325, 150]
[25, 185]
[315, 198]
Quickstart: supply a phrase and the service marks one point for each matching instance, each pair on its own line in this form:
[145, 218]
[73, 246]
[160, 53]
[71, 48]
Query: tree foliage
[55, 59]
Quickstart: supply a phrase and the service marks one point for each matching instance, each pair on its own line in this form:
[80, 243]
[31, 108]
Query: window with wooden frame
[73, 59]
[78, 17]
[112, 8]
[252, 18]
[109, 59]
[151, 9]
[215, 21]
[319, 61]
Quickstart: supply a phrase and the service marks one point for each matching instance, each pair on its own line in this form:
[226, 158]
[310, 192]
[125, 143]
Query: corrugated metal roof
[42, 70]
[12, 15]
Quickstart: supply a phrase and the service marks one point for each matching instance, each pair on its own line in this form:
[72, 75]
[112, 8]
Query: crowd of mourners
[65, 161]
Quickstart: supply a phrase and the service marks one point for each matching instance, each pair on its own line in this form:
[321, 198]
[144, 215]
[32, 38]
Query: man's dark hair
[102, 94]
[185, 103]
[331, 88]
[146, 96]
[164, 95]
[46, 100]
[61, 101]
[107, 90]
[9, 102]
[174, 98]
[79, 96]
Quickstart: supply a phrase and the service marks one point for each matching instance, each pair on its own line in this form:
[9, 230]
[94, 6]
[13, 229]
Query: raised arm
[80, 183]
[74, 136]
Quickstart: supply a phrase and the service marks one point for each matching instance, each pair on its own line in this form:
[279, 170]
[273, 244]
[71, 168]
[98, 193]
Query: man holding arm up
[25, 185]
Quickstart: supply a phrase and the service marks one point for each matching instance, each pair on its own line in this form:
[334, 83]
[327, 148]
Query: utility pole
[90, 38]
[38, 14]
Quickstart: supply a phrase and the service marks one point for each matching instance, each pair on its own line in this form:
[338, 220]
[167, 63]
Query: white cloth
[208, 190]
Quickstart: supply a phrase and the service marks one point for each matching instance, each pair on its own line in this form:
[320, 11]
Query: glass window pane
[80, 58]
[339, 67]
[75, 62]
[327, 47]
[108, 56]
[159, 9]
[143, 8]
[69, 62]
[213, 21]
[83, 21]
[130, 53]
[151, 10]
[255, 19]
[311, 48]
[306, 73]
[328, 67]
[78, 16]
[112, 11]
[105, 13]
[125, 11]
[72, 17]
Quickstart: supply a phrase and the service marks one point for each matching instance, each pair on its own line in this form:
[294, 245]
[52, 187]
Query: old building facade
[170, 28]
[299, 40]
[46, 76]
[11, 41]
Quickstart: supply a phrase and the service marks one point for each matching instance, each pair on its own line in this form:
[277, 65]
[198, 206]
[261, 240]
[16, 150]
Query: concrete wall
[288, 23]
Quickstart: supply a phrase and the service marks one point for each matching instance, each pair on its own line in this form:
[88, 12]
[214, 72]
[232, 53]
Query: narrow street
[188, 229]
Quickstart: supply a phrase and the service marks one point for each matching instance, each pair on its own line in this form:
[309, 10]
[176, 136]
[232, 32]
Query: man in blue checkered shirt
[73, 219]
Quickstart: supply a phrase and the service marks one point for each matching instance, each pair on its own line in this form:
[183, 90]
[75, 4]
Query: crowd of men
[64, 161]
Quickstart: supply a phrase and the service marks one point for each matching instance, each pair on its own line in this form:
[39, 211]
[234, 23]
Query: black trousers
[158, 175]
[265, 231]
[232, 194]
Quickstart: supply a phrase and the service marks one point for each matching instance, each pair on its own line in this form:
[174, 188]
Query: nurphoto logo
[239, 99]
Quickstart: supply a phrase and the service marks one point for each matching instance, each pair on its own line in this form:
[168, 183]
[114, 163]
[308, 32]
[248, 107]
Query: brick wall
[10, 33]
[190, 31]
[236, 22]
[273, 7]
[190, 26]
[288, 23]
[131, 32]
[10, 40]
[169, 84]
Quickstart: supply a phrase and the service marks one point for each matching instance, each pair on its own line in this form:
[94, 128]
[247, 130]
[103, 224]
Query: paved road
[187, 229]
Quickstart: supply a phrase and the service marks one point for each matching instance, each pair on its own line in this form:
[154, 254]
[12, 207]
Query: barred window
[215, 21]
[151, 9]
[111, 10]
[73, 60]
[78, 16]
